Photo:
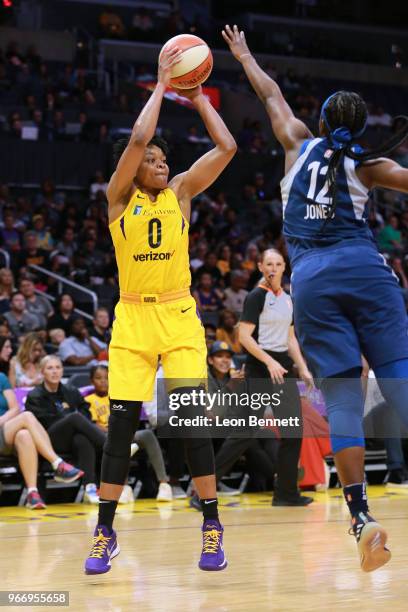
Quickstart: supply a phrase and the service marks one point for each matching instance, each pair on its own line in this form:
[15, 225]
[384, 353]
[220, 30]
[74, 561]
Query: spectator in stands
[210, 266]
[224, 259]
[396, 265]
[19, 319]
[86, 128]
[38, 122]
[198, 259]
[6, 350]
[99, 184]
[44, 239]
[103, 135]
[32, 254]
[250, 262]
[16, 129]
[25, 368]
[59, 126]
[235, 294]
[208, 298]
[210, 334]
[57, 336]
[67, 246]
[389, 238]
[100, 330]
[6, 289]
[64, 315]
[144, 438]
[142, 25]
[227, 330]
[111, 24]
[91, 260]
[65, 415]
[9, 235]
[5, 328]
[246, 134]
[79, 348]
[24, 435]
[175, 24]
[35, 304]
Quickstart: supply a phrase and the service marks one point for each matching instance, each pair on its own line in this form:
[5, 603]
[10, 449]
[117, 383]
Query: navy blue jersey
[306, 203]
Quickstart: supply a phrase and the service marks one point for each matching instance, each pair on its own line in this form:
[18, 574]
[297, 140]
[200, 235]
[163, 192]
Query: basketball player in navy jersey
[346, 299]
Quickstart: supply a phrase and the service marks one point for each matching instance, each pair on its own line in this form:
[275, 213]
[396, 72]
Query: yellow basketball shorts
[143, 332]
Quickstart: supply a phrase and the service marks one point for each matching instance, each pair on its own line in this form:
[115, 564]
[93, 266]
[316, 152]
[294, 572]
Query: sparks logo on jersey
[153, 256]
[138, 209]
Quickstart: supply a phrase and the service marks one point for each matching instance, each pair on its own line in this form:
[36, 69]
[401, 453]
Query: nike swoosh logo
[140, 197]
[185, 310]
[210, 502]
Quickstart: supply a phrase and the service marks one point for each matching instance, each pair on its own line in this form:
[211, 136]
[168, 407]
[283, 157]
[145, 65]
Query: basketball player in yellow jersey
[156, 314]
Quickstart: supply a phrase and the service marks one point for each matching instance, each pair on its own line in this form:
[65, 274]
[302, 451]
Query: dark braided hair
[344, 115]
[121, 144]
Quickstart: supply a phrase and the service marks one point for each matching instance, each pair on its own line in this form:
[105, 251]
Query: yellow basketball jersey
[151, 245]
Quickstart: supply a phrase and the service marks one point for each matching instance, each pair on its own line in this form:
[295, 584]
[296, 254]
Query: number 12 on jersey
[316, 168]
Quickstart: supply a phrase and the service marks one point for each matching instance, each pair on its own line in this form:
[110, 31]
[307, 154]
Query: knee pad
[199, 456]
[344, 400]
[123, 422]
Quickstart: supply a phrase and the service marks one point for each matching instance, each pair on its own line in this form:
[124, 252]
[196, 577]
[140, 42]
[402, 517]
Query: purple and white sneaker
[104, 548]
[212, 556]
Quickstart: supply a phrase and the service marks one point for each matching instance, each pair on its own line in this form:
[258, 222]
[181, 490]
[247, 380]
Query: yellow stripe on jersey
[151, 245]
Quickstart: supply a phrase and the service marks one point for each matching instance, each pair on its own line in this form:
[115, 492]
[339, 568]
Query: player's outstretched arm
[384, 172]
[208, 167]
[142, 132]
[287, 129]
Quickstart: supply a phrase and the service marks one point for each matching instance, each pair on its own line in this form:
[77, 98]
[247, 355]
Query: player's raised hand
[167, 60]
[235, 39]
[189, 93]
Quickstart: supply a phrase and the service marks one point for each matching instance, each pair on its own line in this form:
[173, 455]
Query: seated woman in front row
[22, 435]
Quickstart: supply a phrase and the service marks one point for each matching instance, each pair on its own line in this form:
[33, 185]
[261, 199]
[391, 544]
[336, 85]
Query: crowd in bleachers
[67, 234]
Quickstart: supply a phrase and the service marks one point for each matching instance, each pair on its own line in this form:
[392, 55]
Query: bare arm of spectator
[12, 405]
[142, 132]
[288, 130]
[12, 372]
[78, 361]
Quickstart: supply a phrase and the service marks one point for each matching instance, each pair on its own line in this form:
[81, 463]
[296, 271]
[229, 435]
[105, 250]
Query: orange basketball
[196, 61]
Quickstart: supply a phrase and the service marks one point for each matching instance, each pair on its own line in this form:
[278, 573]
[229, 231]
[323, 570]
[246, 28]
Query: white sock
[31, 489]
[56, 463]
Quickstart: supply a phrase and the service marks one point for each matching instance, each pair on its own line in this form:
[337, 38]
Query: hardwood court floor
[280, 559]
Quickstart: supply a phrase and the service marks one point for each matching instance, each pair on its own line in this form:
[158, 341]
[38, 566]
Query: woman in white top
[25, 366]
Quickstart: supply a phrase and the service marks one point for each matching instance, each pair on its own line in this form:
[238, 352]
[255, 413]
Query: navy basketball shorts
[348, 302]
